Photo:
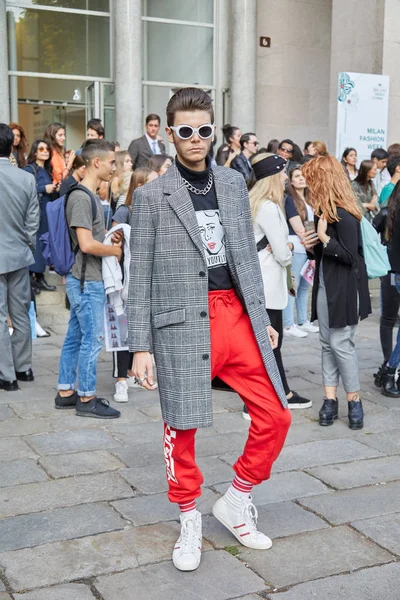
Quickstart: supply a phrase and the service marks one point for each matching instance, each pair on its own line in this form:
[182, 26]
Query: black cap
[268, 166]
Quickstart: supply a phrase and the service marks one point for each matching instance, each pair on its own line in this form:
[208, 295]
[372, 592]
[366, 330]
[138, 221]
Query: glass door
[93, 101]
[100, 104]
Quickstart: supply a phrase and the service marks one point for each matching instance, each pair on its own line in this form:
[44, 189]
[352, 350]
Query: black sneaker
[64, 402]
[98, 408]
[297, 401]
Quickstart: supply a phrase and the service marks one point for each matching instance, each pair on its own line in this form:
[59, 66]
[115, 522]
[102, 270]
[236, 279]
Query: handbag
[375, 254]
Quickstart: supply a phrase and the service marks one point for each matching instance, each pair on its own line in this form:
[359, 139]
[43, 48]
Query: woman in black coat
[340, 291]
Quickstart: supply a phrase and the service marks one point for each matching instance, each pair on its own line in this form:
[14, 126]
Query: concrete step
[56, 298]
[54, 279]
[49, 316]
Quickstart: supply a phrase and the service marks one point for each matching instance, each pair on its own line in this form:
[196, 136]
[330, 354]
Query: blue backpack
[375, 254]
[57, 244]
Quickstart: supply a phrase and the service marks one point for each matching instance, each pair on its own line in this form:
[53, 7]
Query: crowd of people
[205, 261]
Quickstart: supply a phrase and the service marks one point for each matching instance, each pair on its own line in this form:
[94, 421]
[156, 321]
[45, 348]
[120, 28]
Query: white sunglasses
[185, 132]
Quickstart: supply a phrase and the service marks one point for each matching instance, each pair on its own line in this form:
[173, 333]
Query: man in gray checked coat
[196, 300]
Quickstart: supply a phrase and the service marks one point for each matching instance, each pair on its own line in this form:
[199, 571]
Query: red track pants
[236, 359]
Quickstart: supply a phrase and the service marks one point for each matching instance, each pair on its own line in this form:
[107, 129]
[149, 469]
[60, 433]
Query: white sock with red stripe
[239, 488]
[188, 507]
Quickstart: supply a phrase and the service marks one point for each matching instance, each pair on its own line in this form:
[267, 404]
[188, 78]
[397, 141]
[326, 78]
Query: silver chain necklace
[195, 190]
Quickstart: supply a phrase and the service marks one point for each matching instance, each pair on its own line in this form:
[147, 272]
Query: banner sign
[362, 113]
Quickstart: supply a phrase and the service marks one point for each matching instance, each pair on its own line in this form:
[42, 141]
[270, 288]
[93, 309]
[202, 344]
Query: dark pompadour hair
[189, 99]
[245, 138]
[393, 163]
[95, 148]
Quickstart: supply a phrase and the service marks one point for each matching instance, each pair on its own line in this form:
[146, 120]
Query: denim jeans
[394, 359]
[302, 288]
[85, 336]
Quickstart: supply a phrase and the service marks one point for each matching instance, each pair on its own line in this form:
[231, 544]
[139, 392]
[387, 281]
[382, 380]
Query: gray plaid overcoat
[168, 290]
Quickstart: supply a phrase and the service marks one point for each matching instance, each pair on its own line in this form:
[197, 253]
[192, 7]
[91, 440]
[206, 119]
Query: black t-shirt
[211, 229]
[291, 211]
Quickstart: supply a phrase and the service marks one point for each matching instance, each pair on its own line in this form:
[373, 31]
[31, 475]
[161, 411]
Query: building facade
[69, 60]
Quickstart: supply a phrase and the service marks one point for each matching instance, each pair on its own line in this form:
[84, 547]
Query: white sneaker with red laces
[187, 551]
[239, 515]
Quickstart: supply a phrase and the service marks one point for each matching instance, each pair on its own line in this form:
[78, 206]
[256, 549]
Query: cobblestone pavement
[84, 514]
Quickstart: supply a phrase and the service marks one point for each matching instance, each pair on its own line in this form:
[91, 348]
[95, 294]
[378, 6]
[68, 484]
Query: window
[60, 43]
[200, 11]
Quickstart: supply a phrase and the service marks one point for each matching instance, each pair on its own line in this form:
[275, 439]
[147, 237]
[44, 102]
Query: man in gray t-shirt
[85, 335]
[79, 213]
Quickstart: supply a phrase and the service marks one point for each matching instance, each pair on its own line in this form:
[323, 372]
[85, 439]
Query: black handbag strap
[263, 243]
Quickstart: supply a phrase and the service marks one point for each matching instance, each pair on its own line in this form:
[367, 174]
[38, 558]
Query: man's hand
[143, 369]
[273, 336]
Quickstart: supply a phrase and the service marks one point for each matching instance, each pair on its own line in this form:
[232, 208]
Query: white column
[244, 58]
[128, 71]
[4, 88]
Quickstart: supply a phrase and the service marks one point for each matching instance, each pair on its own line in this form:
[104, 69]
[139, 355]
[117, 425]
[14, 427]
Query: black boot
[378, 376]
[329, 411]
[356, 414]
[389, 387]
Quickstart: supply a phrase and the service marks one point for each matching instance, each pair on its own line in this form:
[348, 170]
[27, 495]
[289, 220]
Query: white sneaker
[309, 327]
[187, 551]
[121, 392]
[40, 332]
[294, 331]
[239, 515]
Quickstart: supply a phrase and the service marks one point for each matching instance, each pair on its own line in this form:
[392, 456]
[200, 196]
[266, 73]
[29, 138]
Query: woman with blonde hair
[340, 292]
[122, 360]
[318, 149]
[274, 249]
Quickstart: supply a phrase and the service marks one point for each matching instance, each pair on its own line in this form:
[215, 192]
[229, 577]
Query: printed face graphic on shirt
[213, 237]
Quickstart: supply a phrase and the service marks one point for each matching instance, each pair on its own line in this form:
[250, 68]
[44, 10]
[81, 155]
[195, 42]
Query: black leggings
[122, 363]
[390, 302]
[276, 318]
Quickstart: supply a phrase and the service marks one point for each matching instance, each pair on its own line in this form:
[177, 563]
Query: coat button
[203, 313]
[202, 274]
[206, 356]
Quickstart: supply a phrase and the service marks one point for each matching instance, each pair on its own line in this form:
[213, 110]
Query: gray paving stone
[275, 520]
[132, 434]
[72, 441]
[388, 442]
[147, 481]
[35, 497]
[81, 463]
[384, 530]
[359, 473]
[382, 421]
[219, 577]
[41, 407]
[24, 470]
[369, 584]
[2, 588]
[231, 422]
[216, 445]
[142, 455]
[351, 505]
[313, 555]
[282, 487]
[105, 553]
[6, 413]
[4, 596]
[23, 427]
[71, 591]
[144, 510]
[12, 449]
[26, 531]
[324, 452]
[311, 431]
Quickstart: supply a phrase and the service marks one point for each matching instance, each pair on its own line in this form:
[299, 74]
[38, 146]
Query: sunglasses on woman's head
[185, 132]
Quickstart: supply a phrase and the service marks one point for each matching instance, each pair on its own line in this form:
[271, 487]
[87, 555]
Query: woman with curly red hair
[340, 292]
[20, 146]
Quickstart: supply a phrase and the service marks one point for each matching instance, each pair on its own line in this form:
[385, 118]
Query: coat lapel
[228, 207]
[180, 201]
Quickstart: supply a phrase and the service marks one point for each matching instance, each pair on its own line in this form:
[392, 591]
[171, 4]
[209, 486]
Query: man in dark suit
[19, 209]
[249, 146]
[144, 147]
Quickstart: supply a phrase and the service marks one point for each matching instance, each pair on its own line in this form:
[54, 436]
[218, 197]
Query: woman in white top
[298, 213]
[274, 249]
